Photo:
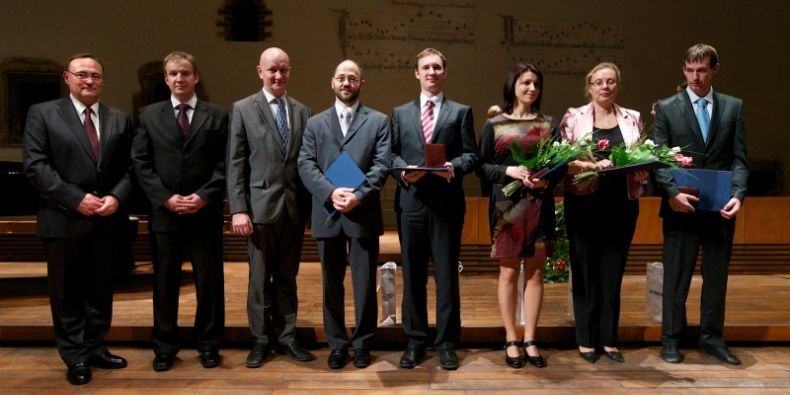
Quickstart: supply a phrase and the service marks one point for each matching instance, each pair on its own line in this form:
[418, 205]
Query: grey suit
[431, 216]
[368, 143]
[81, 250]
[263, 181]
[166, 164]
[684, 233]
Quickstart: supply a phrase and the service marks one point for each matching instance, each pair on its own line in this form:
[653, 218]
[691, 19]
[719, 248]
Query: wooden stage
[758, 308]
[758, 329]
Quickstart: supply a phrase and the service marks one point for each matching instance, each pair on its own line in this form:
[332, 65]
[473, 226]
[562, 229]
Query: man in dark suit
[76, 153]
[709, 125]
[430, 207]
[347, 217]
[269, 204]
[179, 158]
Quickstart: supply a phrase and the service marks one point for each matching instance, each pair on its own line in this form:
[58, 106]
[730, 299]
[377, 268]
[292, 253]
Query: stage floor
[758, 308]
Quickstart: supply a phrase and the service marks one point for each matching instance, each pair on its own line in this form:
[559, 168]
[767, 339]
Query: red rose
[602, 144]
[561, 265]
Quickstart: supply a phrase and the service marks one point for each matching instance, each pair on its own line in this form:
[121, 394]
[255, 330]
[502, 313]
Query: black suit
[263, 181]
[167, 164]
[367, 141]
[684, 234]
[81, 250]
[431, 217]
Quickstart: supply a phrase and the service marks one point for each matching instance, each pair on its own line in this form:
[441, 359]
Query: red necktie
[183, 120]
[90, 130]
[427, 120]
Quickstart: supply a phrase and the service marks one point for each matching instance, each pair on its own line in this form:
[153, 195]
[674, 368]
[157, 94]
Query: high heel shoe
[589, 356]
[514, 362]
[614, 355]
[537, 361]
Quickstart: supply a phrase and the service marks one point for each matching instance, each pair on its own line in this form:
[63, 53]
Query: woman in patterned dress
[518, 221]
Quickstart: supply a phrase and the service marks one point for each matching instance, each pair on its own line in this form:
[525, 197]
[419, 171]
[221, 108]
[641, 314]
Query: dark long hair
[508, 91]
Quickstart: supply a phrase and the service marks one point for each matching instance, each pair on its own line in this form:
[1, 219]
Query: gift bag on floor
[388, 293]
[654, 284]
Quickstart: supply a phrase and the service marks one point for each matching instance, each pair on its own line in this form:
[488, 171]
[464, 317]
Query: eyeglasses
[84, 75]
[602, 83]
[342, 80]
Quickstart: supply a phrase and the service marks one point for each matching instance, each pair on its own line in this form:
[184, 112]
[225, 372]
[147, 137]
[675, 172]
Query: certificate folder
[713, 186]
[344, 172]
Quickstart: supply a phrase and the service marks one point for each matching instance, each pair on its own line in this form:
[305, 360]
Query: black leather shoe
[210, 359]
[671, 354]
[721, 353]
[361, 358]
[298, 353]
[79, 374]
[615, 356]
[163, 362]
[447, 359]
[257, 355]
[105, 360]
[536, 361]
[589, 356]
[411, 357]
[514, 362]
[337, 358]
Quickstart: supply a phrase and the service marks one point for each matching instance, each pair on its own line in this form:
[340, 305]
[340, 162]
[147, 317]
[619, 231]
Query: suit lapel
[295, 122]
[444, 112]
[70, 117]
[198, 118]
[417, 121]
[167, 118]
[332, 123]
[267, 118]
[360, 117]
[717, 111]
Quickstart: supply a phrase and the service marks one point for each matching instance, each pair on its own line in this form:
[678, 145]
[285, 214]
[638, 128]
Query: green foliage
[556, 267]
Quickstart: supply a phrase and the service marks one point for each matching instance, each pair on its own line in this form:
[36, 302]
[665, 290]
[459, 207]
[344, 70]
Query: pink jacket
[577, 123]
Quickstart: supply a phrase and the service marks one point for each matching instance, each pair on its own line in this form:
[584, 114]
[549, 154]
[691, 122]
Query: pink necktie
[90, 130]
[427, 120]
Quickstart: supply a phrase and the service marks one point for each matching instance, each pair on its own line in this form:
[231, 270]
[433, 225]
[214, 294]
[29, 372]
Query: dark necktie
[183, 119]
[90, 130]
[282, 122]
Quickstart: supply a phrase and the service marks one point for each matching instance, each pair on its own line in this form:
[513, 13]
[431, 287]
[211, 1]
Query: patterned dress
[519, 220]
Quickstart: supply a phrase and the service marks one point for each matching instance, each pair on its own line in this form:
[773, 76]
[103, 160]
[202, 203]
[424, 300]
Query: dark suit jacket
[454, 128]
[368, 143]
[263, 181]
[676, 125]
[166, 164]
[59, 162]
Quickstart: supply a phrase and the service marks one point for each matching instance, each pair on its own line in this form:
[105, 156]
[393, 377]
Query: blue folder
[713, 186]
[344, 172]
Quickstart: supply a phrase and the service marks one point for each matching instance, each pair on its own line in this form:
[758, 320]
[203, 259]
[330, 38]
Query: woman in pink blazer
[600, 220]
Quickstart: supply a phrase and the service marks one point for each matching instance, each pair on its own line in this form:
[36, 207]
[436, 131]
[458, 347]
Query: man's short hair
[700, 51]
[180, 55]
[82, 55]
[428, 52]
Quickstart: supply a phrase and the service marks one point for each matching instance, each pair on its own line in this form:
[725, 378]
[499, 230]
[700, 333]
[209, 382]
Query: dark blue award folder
[344, 172]
[713, 186]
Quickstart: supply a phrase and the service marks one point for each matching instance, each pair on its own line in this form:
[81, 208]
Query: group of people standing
[272, 156]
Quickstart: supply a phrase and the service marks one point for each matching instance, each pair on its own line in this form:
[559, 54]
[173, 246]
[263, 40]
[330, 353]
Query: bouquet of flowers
[548, 154]
[643, 151]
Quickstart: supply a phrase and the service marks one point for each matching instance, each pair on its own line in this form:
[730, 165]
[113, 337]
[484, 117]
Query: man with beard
[347, 217]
